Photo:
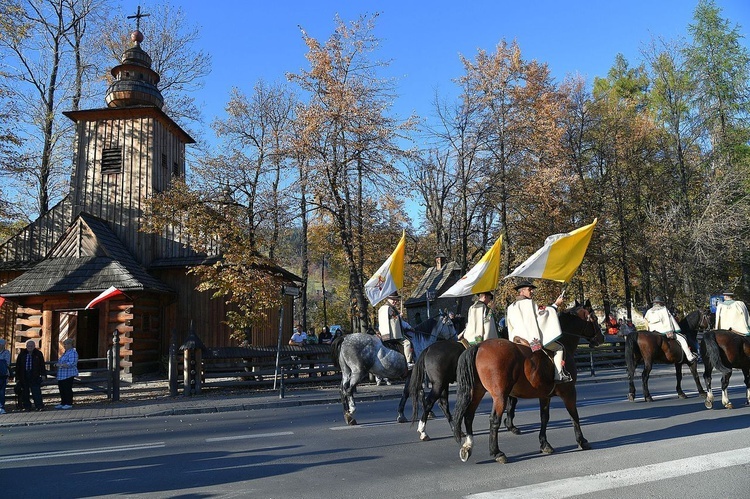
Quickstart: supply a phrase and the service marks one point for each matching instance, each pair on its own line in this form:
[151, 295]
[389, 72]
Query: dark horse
[359, 354]
[652, 348]
[725, 350]
[507, 369]
[437, 364]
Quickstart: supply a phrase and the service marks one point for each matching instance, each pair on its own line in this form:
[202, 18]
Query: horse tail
[712, 353]
[416, 385]
[465, 376]
[631, 350]
[336, 350]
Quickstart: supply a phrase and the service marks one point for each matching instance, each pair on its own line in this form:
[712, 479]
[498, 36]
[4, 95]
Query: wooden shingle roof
[88, 258]
[438, 280]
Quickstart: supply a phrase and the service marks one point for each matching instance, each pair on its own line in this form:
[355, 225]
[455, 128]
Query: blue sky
[251, 40]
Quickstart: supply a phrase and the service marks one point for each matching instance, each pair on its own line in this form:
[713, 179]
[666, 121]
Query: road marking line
[80, 452]
[577, 486]
[255, 435]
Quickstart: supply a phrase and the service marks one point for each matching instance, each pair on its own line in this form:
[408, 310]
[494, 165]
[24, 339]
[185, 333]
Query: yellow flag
[390, 275]
[482, 277]
[560, 256]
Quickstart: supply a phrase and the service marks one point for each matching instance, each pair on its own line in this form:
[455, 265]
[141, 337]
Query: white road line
[80, 452]
[255, 435]
[623, 478]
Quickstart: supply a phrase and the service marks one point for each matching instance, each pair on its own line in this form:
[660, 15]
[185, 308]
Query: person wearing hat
[391, 325]
[732, 315]
[530, 324]
[660, 320]
[480, 323]
[4, 373]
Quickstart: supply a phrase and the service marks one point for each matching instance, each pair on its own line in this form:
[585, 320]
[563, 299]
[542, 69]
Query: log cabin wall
[208, 315]
[8, 310]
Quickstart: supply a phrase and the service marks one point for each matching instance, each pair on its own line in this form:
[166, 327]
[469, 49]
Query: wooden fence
[255, 367]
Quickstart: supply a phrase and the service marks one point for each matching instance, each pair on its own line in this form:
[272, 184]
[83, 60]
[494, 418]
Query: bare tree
[347, 135]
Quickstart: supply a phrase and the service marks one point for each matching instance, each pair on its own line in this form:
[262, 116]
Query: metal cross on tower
[137, 18]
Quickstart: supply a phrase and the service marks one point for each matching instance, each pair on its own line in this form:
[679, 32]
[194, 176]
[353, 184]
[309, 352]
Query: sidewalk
[151, 399]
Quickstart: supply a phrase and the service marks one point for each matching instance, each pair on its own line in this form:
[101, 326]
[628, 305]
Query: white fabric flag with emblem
[389, 277]
[482, 277]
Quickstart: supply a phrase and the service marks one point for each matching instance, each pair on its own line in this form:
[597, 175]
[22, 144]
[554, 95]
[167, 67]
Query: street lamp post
[323, 281]
[430, 296]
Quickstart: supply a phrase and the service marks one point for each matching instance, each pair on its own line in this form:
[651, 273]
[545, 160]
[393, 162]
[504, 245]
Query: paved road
[669, 448]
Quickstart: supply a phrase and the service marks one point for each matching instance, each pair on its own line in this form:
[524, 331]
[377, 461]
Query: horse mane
[689, 324]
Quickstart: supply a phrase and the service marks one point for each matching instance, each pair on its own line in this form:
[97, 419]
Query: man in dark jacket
[30, 372]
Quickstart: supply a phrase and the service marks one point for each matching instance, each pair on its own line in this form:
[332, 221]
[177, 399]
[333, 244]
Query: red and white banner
[108, 293]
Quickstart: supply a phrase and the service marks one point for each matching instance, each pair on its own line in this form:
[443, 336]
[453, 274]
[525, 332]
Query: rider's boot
[561, 375]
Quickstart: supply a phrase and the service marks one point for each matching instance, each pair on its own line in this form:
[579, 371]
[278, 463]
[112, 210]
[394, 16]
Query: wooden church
[92, 240]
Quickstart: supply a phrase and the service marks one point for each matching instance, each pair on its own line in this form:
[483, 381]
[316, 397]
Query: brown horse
[507, 369]
[725, 350]
[652, 348]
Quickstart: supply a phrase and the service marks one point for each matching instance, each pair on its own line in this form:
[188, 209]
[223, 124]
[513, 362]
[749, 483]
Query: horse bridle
[587, 316]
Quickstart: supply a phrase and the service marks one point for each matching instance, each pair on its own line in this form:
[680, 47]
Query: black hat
[394, 295]
[488, 293]
[524, 284]
[659, 299]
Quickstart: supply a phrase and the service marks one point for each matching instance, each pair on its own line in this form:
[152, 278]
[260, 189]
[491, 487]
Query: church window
[111, 160]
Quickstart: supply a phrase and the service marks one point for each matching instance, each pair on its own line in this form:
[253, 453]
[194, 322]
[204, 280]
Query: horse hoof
[349, 419]
[464, 453]
[424, 437]
[584, 444]
[631, 397]
[401, 419]
[709, 404]
[728, 405]
[703, 394]
[501, 458]
[682, 395]
[547, 449]
[515, 430]
[430, 415]
[648, 399]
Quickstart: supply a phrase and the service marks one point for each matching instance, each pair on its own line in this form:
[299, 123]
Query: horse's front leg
[544, 445]
[400, 418]
[512, 403]
[498, 407]
[725, 390]
[746, 373]
[569, 399]
[678, 375]
[644, 379]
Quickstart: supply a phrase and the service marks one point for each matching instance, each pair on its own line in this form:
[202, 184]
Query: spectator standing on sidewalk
[30, 373]
[67, 369]
[4, 373]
